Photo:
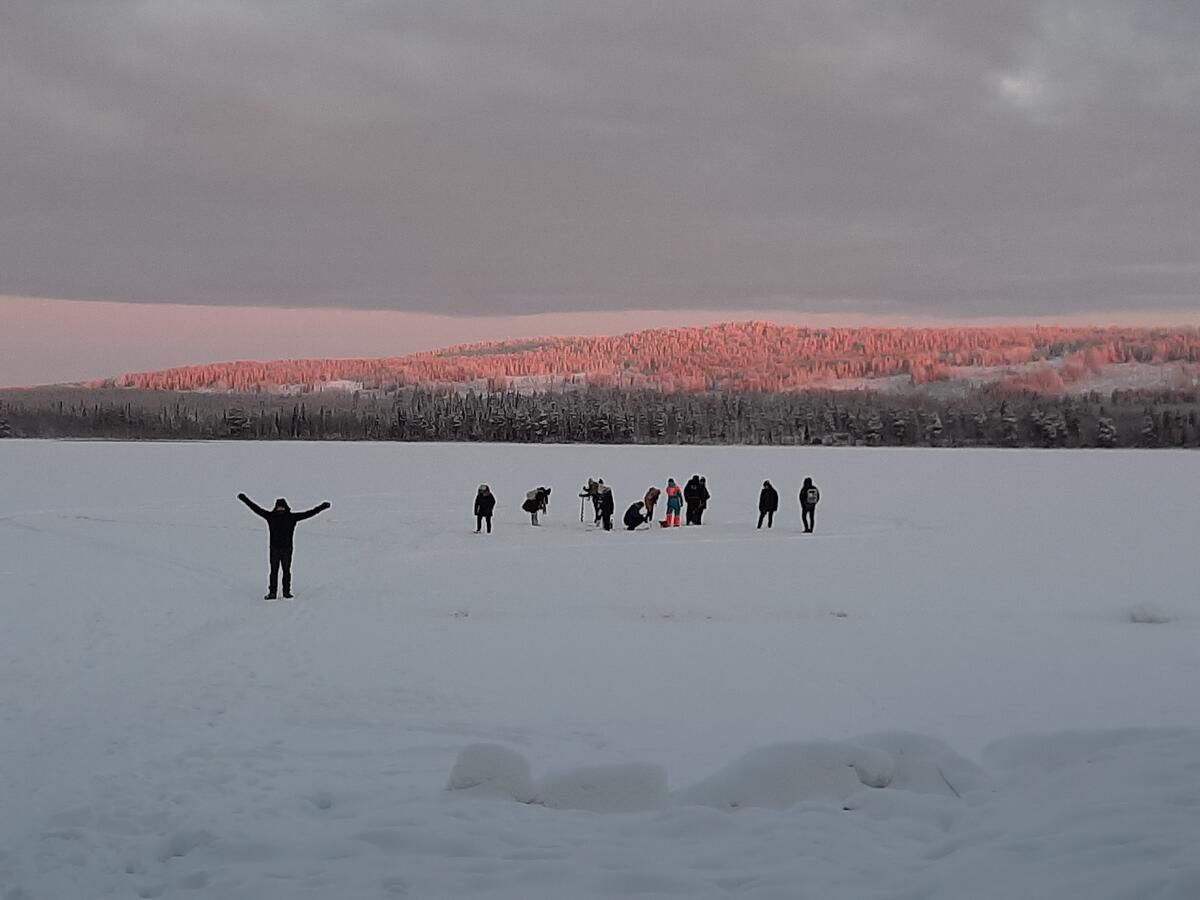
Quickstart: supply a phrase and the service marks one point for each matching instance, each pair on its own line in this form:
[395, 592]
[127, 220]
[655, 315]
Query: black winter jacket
[768, 500]
[282, 522]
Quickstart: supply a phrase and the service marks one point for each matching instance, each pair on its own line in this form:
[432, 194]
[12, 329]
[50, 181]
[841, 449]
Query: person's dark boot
[287, 595]
[270, 596]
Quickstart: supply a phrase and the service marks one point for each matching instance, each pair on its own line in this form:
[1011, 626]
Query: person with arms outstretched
[281, 522]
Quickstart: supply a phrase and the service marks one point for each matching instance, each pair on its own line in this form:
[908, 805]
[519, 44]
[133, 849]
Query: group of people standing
[685, 504]
[693, 496]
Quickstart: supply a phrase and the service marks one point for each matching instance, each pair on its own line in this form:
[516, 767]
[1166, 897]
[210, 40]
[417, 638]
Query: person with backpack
[651, 500]
[281, 523]
[809, 498]
[768, 504]
[635, 516]
[606, 506]
[674, 504]
[536, 501]
[485, 503]
[691, 497]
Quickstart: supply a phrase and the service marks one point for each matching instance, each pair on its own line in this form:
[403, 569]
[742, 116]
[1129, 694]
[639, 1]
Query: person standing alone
[768, 504]
[281, 522]
[809, 498]
[485, 503]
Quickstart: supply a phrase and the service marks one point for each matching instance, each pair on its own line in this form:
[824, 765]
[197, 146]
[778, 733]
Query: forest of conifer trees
[610, 416]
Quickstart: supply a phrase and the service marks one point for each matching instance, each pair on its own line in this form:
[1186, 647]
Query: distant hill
[742, 356]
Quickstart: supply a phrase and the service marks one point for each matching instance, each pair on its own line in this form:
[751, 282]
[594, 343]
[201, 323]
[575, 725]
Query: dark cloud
[936, 156]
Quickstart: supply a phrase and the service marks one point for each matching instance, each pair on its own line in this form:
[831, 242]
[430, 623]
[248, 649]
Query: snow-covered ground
[974, 681]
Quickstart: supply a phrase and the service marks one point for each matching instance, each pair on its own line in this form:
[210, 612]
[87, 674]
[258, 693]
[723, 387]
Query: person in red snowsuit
[674, 504]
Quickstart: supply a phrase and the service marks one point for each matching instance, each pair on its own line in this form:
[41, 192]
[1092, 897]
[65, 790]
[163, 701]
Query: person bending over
[636, 516]
[651, 500]
[536, 501]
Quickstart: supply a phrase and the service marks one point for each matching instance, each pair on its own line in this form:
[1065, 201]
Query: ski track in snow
[166, 733]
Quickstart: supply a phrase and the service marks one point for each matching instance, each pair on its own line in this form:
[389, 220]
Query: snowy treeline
[732, 357]
[1119, 419]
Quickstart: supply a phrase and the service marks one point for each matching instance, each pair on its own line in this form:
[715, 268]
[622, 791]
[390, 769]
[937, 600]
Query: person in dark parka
[691, 497]
[281, 522]
[606, 506]
[768, 504]
[705, 496]
[536, 501]
[485, 503]
[636, 516]
[809, 497]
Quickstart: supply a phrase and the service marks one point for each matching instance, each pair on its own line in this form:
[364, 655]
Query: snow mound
[629, 787]
[492, 769]
[925, 765]
[1148, 614]
[782, 775]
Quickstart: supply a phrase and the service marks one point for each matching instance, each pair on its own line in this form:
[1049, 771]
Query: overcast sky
[924, 157]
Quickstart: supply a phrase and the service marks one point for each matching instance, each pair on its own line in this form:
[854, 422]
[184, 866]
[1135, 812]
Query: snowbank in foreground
[1098, 814]
[774, 777]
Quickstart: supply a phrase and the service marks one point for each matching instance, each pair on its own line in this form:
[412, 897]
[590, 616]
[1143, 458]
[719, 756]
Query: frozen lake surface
[941, 694]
